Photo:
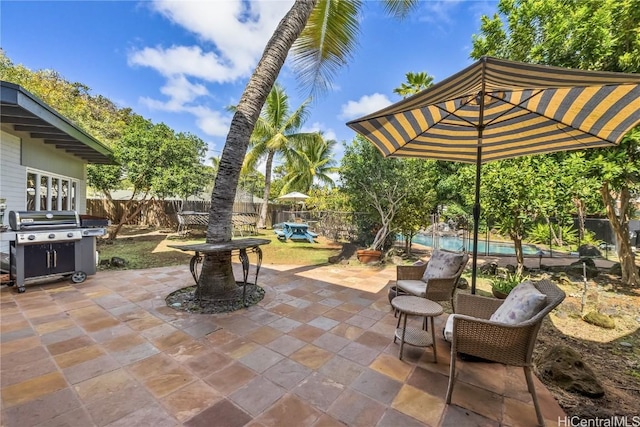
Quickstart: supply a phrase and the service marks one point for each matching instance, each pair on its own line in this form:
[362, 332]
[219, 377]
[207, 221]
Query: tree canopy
[590, 35]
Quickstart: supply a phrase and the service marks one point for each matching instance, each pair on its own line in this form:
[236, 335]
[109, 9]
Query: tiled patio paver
[318, 351]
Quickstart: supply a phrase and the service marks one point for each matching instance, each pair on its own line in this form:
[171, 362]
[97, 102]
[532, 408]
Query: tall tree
[312, 164]
[277, 134]
[155, 162]
[381, 188]
[514, 195]
[416, 82]
[589, 35]
[324, 33]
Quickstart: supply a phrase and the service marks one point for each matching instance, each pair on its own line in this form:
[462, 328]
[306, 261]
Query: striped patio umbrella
[497, 109]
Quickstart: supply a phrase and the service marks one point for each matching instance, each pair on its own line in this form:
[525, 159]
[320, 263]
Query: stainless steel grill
[43, 220]
[53, 243]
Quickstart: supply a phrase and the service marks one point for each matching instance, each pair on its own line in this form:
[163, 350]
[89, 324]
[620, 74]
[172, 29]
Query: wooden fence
[163, 213]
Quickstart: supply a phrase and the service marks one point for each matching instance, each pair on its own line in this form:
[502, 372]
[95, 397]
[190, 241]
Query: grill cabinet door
[37, 261]
[63, 257]
[49, 258]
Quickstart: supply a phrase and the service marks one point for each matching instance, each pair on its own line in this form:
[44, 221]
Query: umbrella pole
[476, 216]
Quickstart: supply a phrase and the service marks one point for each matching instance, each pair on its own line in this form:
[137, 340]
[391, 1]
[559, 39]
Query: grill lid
[43, 220]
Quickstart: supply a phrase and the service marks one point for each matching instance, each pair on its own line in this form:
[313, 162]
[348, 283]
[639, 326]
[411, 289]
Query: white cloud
[440, 12]
[179, 91]
[210, 121]
[231, 36]
[365, 105]
[327, 133]
[191, 61]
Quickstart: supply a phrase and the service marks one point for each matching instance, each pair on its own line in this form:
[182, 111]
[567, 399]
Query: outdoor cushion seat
[436, 280]
[413, 287]
[473, 333]
[522, 303]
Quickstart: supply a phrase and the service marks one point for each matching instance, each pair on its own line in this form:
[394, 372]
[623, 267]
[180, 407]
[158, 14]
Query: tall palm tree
[277, 134]
[311, 165]
[416, 82]
[323, 34]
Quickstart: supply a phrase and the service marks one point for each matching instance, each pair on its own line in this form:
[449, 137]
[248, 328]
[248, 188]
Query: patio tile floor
[318, 351]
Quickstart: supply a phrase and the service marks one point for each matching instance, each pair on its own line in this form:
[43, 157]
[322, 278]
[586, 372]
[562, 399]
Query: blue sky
[184, 62]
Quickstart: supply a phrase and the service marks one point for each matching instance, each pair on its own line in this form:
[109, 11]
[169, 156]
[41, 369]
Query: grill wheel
[78, 277]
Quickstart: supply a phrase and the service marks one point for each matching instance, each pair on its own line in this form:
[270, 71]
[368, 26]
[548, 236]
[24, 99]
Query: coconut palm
[311, 165]
[416, 82]
[323, 34]
[277, 134]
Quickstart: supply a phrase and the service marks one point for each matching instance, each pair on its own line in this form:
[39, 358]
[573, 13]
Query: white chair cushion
[448, 328]
[442, 264]
[414, 287]
[522, 303]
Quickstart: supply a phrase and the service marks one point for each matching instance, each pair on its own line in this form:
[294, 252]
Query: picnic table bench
[295, 231]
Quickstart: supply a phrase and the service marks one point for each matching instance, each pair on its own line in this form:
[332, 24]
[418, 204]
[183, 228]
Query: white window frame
[72, 186]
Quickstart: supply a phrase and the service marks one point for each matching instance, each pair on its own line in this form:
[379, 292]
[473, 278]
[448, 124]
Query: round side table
[416, 306]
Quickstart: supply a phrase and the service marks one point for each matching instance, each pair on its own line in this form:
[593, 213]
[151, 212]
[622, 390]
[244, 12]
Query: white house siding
[12, 181]
[47, 158]
[12, 174]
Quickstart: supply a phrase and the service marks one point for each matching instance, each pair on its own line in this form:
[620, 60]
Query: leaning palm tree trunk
[264, 209]
[217, 277]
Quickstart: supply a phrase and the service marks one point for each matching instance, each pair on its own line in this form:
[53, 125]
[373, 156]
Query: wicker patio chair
[410, 280]
[475, 335]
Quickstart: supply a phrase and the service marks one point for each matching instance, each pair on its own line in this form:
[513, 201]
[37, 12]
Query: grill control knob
[51, 236]
[31, 237]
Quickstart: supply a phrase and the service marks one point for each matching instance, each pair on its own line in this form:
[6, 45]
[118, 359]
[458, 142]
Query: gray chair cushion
[522, 303]
[414, 287]
[443, 264]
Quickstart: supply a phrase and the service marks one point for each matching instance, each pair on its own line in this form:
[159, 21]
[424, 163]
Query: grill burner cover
[43, 220]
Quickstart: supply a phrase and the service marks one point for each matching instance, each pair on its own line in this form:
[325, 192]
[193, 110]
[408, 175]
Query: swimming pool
[455, 243]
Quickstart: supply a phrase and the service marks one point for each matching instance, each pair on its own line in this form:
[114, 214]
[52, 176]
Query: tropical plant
[393, 195]
[416, 82]
[544, 233]
[505, 283]
[276, 133]
[322, 33]
[310, 164]
[508, 203]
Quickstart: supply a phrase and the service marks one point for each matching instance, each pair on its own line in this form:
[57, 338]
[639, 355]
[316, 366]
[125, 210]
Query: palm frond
[400, 8]
[276, 108]
[326, 43]
[297, 118]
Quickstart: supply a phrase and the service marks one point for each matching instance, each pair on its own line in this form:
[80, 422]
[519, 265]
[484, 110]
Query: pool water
[455, 243]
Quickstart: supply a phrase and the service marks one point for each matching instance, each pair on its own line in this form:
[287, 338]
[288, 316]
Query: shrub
[507, 282]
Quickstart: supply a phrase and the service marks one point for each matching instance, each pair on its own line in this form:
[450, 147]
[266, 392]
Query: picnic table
[242, 246]
[295, 231]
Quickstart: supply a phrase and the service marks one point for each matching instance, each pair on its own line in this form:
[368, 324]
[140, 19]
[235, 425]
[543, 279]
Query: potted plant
[502, 285]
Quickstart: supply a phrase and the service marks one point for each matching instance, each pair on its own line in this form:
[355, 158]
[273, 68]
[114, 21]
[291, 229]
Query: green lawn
[148, 248]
